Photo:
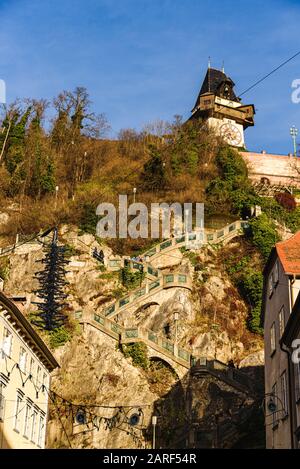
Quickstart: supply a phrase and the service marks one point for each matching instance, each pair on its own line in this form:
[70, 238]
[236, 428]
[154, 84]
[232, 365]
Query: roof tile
[289, 254]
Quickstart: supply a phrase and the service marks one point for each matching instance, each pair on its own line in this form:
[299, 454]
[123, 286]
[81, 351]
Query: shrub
[263, 234]
[138, 353]
[231, 165]
[131, 280]
[251, 285]
[286, 200]
[231, 190]
[284, 216]
[89, 219]
[70, 251]
[59, 337]
[154, 175]
[4, 268]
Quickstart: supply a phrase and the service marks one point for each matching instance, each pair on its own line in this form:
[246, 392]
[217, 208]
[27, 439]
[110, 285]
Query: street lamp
[56, 194]
[178, 309]
[134, 194]
[294, 133]
[154, 423]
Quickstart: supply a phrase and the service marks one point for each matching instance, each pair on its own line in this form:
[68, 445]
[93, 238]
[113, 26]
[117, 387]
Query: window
[18, 411]
[45, 381]
[281, 321]
[273, 279]
[276, 274]
[41, 431]
[273, 339]
[31, 366]
[27, 420]
[34, 425]
[270, 284]
[38, 376]
[7, 343]
[284, 398]
[2, 402]
[23, 360]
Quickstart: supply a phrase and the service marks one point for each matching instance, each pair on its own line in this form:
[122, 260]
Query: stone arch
[166, 363]
[178, 370]
[265, 181]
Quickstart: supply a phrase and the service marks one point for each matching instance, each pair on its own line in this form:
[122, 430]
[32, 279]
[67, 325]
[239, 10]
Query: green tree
[263, 234]
[154, 174]
[231, 190]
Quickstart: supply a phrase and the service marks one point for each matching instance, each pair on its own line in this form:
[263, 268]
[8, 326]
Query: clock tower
[218, 105]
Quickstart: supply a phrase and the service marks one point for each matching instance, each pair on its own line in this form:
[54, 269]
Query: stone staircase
[171, 351]
[155, 281]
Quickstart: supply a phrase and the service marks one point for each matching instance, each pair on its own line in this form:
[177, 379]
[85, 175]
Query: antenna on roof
[209, 62]
[223, 67]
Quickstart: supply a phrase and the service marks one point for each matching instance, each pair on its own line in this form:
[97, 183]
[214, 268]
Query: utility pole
[294, 133]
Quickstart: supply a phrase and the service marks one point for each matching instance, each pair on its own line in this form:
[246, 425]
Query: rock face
[94, 372]
[4, 217]
[210, 322]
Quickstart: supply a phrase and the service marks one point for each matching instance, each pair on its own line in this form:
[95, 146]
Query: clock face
[231, 134]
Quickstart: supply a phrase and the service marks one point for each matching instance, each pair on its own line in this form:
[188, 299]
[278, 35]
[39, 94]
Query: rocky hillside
[95, 371]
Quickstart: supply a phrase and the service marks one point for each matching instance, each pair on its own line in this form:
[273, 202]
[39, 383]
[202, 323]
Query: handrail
[166, 347]
[149, 288]
[211, 237]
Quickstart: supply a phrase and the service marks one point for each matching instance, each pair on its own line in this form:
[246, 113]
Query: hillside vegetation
[57, 172]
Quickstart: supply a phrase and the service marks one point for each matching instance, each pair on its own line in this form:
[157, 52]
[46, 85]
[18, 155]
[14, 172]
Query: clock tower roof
[218, 83]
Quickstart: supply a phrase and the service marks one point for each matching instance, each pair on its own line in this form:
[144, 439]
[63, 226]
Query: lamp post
[294, 133]
[56, 195]
[154, 423]
[134, 194]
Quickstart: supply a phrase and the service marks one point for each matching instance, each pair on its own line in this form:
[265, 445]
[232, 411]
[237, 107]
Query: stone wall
[278, 169]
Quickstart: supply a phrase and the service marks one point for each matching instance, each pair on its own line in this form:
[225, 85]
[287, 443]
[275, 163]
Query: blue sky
[143, 60]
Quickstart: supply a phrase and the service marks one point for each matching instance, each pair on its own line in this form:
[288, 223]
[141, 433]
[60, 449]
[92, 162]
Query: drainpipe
[291, 282]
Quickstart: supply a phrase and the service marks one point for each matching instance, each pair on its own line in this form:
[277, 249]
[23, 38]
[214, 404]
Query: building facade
[25, 367]
[291, 342]
[280, 293]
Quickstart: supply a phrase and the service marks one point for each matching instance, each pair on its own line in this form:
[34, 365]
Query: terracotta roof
[289, 254]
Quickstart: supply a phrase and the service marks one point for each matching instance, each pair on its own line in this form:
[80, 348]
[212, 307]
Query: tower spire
[223, 67]
[209, 65]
